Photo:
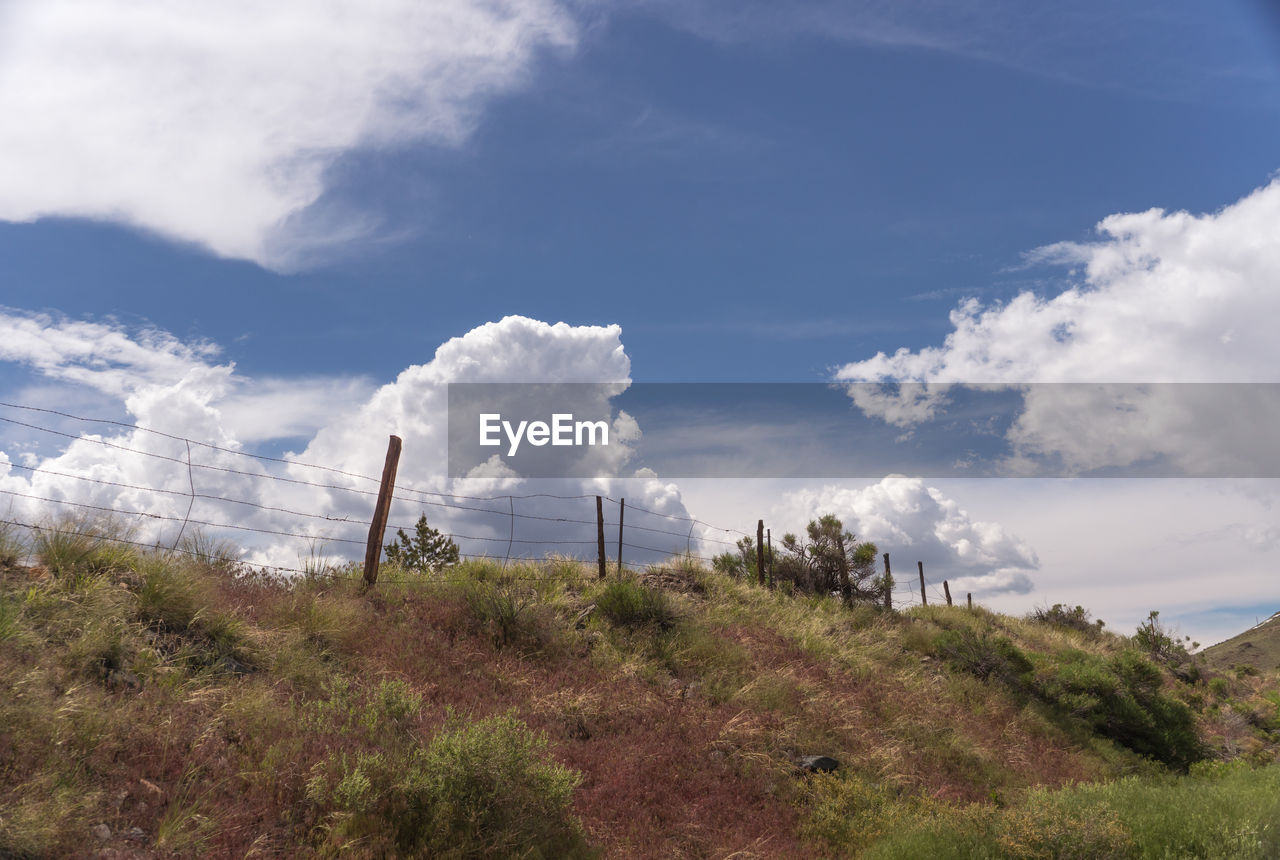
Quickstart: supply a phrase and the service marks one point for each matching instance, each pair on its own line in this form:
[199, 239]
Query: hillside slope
[176, 705]
[1257, 648]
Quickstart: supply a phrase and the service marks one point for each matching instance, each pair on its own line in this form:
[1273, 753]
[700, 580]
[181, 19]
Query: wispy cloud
[1150, 48]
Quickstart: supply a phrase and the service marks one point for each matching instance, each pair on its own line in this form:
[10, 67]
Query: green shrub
[1061, 615]
[478, 789]
[1120, 698]
[628, 602]
[850, 812]
[1152, 637]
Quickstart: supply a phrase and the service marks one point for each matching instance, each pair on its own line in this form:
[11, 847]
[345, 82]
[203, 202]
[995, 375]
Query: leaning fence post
[378, 528]
[760, 551]
[622, 510]
[600, 533]
[946, 589]
[888, 584]
[923, 600]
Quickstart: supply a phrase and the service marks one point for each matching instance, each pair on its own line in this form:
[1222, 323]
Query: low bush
[1121, 698]
[504, 610]
[478, 789]
[991, 658]
[1061, 615]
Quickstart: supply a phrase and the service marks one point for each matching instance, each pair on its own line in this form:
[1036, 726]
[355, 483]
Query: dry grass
[201, 706]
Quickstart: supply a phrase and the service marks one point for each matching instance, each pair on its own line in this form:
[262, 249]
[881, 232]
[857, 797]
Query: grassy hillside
[164, 704]
[1256, 648]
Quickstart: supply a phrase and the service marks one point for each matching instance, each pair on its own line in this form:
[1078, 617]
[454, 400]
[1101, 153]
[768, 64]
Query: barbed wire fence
[585, 532]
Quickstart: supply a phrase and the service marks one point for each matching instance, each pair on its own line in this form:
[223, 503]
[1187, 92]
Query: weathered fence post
[378, 528]
[846, 589]
[600, 533]
[888, 584]
[768, 534]
[924, 601]
[970, 600]
[946, 589]
[760, 552]
[622, 510]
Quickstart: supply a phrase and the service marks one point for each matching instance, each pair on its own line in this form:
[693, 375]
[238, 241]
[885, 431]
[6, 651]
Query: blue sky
[752, 191]
[747, 205]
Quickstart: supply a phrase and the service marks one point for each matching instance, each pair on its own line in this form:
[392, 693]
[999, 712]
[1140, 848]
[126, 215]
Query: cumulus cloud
[217, 123]
[180, 392]
[915, 522]
[1162, 297]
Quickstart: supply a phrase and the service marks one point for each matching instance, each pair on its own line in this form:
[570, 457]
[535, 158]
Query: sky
[283, 230]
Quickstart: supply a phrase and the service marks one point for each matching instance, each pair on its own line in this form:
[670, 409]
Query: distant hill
[1259, 647]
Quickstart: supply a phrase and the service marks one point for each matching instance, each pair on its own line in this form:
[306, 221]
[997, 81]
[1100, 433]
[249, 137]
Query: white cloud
[915, 522]
[1165, 297]
[103, 356]
[215, 123]
[167, 386]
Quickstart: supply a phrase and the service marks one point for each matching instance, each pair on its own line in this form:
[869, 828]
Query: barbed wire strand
[419, 496]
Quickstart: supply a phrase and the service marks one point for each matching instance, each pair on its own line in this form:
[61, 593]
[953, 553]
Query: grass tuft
[627, 602]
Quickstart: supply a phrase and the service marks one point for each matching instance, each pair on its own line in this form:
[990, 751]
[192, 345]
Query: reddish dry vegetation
[221, 762]
[654, 783]
[198, 730]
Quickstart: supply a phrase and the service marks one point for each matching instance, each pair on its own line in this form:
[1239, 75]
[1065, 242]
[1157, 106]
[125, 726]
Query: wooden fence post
[846, 588]
[760, 552]
[946, 589]
[971, 600]
[888, 584]
[768, 534]
[600, 533]
[924, 601]
[378, 528]
[622, 510]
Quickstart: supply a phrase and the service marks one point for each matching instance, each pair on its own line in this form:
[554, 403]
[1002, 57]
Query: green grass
[625, 601]
[13, 547]
[1227, 812]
